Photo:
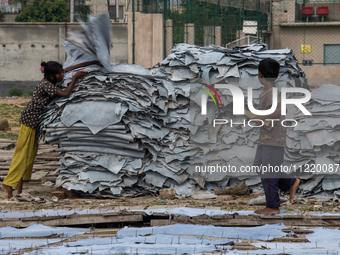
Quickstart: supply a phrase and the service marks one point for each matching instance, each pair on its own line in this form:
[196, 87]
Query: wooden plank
[292, 216]
[52, 174]
[71, 220]
[11, 152]
[161, 222]
[269, 217]
[4, 158]
[44, 167]
[47, 163]
[5, 145]
[8, 140]
[297, 231]
[256, 220]
[120, 213]
[222, 217]
[297, 239]
[329, 217]
[37, 218]
[51, 179]
[217, 222]
[93, 219]
[35, 167]
[47, 158]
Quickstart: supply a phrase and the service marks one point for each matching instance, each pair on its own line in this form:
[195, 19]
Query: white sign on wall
[249, 27]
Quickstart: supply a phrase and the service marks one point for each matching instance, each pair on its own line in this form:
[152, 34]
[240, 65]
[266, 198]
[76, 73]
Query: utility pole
[72, 11]
[108, 8]
[117, 9]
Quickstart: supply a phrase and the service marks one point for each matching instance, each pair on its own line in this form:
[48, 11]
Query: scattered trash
[291, 234]
[48, 184]
[262, 200]
[54, 199]
[204, 194]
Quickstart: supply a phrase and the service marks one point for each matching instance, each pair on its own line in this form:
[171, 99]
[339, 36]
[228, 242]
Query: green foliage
[23, 3]
[44, 11]
[81, 11]
[30, 92]
[205, 14]
[15, 92]
[7, 135]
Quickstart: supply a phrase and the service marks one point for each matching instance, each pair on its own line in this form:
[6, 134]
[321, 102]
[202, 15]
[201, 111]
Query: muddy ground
[37, 189]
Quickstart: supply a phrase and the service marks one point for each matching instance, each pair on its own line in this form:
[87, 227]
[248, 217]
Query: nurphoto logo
[239, 107]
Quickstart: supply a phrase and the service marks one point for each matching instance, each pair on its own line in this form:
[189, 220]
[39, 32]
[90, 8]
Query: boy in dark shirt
[270, 150]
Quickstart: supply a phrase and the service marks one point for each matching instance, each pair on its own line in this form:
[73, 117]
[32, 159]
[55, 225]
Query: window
[307, 62]
[332, 54]
[113, 12]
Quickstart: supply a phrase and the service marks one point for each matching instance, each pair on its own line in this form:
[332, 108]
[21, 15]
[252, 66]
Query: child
[270, 150]
[27, 145]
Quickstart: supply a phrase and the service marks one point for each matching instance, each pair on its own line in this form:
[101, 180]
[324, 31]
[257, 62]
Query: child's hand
[80, 74]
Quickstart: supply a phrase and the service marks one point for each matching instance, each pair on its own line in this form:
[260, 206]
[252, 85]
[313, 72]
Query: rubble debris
[224, 198]
[261, 200]
[204, 194]
[239, 189]
[3, 124]
[167, 194]
[55, 199]
[26, 197]
[57, 195]
[48, 184]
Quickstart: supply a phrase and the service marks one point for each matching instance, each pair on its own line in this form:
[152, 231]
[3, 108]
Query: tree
[23, 3]
[44, 11]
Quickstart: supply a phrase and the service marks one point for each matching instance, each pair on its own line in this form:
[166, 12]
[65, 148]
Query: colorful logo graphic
[239, 99]
[209, 93]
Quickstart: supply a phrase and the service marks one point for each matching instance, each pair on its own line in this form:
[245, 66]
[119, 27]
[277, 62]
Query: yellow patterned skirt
[24, 155]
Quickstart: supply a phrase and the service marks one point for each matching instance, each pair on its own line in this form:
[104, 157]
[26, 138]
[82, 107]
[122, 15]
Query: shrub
[30, 92]
[15, 92]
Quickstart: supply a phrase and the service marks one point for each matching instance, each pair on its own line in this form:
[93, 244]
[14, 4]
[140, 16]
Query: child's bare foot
[19, 187]
[8, 190]
[268, 210]
[292, 190]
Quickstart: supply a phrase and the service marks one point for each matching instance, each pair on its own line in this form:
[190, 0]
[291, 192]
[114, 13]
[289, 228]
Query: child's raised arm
[70, 68]
[68, 90]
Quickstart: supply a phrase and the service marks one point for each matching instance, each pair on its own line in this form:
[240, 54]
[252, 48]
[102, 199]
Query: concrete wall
[317, 36]
[149, 39]
[318, 75]
[24, 45]
[8, 17]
